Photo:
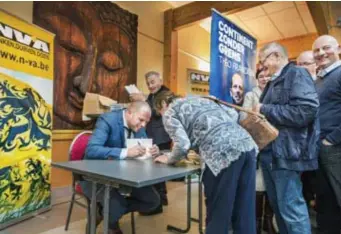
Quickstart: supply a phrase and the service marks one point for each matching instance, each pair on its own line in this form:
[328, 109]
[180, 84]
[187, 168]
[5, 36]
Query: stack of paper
[132, 89]
[147, 143]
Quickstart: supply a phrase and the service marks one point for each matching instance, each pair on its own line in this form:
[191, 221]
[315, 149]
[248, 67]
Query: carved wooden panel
[95, 51]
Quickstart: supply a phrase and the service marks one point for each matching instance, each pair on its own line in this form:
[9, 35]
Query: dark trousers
[230, 196]
[309, 185]
[328, 193]
[161, 187]
[141, 199]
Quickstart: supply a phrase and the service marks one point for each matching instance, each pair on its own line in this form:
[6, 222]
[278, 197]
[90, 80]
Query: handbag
[262, 132]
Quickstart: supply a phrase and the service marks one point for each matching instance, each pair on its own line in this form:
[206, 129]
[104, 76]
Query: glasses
[262, 62]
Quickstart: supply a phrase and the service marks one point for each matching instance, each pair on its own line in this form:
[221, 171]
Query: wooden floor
[53, 221]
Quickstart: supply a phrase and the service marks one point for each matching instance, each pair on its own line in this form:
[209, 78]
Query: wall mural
[95, 51]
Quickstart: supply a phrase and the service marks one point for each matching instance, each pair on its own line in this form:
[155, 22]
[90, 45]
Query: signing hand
[134, 97]
[154, 150]
[325, 142]
[161, 159]
[136, 151]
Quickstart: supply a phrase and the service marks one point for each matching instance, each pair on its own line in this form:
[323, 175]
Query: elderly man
[306, 60]
[326, 51]
[155, 129]
[108, 141]
[290, 103]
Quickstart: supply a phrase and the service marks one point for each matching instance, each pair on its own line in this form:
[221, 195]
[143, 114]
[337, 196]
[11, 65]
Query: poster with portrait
[198, 82]
[233, 60]
[26, 84]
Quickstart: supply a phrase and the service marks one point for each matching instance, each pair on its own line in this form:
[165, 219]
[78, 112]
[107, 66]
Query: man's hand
[161, 159]
[325, 142]
[136, 151]
[134, 97]
[154, 150]
[256, 108]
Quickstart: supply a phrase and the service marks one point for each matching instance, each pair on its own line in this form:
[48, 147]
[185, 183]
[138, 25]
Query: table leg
[106, 209]
[93, 208]
[199, 220]
[172, 228]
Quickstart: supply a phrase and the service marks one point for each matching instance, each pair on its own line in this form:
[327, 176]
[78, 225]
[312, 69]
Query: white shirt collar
[324, 72]
[125, 124]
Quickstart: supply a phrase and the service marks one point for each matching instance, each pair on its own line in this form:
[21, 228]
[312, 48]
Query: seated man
[109, 142]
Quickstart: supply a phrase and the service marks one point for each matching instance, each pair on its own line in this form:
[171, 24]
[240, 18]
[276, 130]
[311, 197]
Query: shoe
[164, 200]
[158, 210]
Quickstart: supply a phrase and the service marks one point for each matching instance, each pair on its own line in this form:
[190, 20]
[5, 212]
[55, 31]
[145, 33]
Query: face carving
[95, 51]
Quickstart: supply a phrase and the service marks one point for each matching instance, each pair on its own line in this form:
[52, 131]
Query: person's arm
[96, 148]
[176, 131]
[302, 108]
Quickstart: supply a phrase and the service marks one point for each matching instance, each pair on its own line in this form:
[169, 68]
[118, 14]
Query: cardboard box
[95, 105]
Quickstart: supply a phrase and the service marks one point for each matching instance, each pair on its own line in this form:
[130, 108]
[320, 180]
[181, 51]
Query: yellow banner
[198, 82]
[26, 97]
[25, 47]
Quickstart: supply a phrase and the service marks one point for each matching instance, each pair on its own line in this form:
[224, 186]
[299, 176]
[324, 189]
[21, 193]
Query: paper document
[147, 143]
[132, 89]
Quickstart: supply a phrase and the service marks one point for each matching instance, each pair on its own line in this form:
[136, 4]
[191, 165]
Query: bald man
[108, 141]
[326, 51]
[237, 89]
[306, 60]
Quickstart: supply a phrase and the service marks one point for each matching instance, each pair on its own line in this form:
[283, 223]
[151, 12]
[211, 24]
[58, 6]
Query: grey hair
[139, 106]
[152, 73]
[275, 47]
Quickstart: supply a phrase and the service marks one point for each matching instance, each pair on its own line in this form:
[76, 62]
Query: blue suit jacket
[108, 137]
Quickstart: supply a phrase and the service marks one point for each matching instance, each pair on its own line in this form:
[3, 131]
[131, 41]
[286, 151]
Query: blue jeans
[284, 189]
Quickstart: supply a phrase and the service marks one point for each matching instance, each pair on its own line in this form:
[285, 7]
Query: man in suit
[109, 142]
[155, 128]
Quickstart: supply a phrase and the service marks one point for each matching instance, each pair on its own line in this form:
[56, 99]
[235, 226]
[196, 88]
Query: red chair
[77, 152]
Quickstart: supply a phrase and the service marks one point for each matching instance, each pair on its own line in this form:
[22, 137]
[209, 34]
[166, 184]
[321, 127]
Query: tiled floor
[53, 221]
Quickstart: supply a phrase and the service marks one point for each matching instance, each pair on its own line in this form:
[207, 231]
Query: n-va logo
[23, 38]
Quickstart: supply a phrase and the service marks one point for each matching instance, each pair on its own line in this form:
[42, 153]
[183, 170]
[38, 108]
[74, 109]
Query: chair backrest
[78, 146]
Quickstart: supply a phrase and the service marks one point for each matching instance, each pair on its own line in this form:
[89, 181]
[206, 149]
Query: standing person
[328, 195]
[306, 60]
[264, 213]
[228, 153]
[290, 103]
[108, 141]
[155, 129]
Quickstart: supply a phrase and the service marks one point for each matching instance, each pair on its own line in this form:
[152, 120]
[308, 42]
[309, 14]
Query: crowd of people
[244, 186]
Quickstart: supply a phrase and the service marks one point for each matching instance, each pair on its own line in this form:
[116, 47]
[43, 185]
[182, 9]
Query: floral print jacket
[210, 129]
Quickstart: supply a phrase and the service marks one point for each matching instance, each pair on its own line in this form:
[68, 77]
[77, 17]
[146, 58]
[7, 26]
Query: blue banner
[233, 60]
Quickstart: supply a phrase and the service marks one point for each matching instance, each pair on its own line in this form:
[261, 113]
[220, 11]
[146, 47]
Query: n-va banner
[233, 60]
[26, 88]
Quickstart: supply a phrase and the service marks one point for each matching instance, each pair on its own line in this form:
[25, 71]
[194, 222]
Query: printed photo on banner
[233, 60]
[198, 82]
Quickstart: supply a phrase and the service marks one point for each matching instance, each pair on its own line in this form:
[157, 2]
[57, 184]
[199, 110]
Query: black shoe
[164, 200]
[158, 210]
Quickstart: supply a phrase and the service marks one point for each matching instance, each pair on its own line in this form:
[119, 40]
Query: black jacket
[154, 128]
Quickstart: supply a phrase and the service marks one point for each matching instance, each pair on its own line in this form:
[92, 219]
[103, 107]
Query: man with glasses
[290, 103]
[326, 51]
[306, 60]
